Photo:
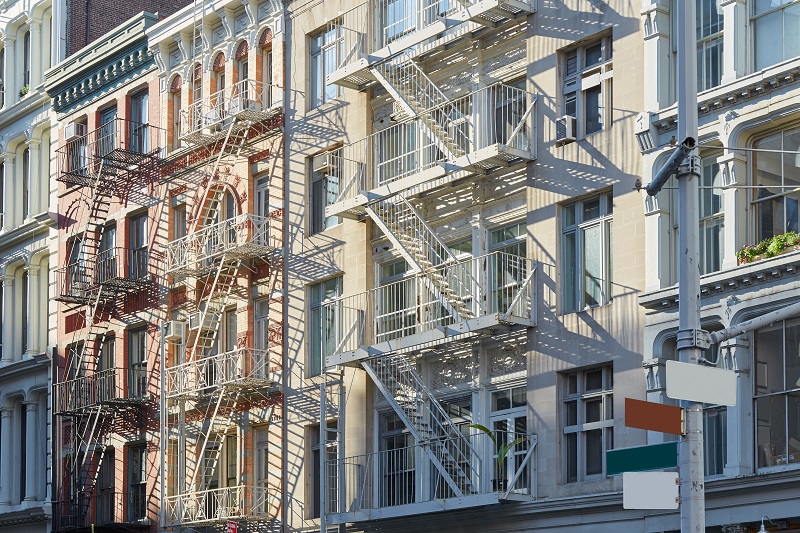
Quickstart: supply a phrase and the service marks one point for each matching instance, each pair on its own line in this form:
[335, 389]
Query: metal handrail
[218, 505]
[245, 95]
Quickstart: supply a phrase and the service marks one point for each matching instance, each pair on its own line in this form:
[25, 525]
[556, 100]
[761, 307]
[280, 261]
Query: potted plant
[24, 91]
[500, 483]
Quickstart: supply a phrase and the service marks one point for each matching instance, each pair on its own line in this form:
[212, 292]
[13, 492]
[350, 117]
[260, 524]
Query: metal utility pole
[691, 466]
[691, 339]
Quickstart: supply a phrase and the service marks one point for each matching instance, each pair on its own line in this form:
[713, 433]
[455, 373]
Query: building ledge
[21, 366]
[748, 276]
[22, 234]
[21, 514]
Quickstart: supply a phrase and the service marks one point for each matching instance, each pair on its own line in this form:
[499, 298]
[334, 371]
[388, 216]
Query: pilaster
[734, 41]
[31, 462]
[6, 459]
[36, 52]
[8, 190]
[735, 199]
[10, 74]
[33, 177]
[736, 355]
[33, 310]
[7, 324]
[657, 226]
[657, 54]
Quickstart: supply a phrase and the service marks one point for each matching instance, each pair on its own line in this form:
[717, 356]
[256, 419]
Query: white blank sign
[697, 383]
[650, 490]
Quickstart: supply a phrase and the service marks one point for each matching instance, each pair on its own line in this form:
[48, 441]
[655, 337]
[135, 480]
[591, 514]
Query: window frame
[706, 43]
[577, 229]
[315, 303]
[319, 92]
[579, 77]
[753, 24]
[137, 484]
[581, 396]
[320, 197]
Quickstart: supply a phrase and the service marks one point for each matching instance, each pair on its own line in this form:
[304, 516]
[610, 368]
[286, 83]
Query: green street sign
[641, 458]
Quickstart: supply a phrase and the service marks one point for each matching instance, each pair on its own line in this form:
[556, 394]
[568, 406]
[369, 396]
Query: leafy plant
[502, 449]
[768, 247]
[24, 91]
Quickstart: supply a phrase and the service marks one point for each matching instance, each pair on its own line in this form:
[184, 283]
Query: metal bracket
[691, 165]
[693, 338]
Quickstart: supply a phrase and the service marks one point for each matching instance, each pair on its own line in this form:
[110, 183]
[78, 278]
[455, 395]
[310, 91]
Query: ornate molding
[451, 371]
[504, 361]
[654, 374]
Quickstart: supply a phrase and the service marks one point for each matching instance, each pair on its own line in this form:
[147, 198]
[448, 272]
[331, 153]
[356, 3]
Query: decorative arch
[242, 49]
[226, 188]
[265, 40]
[219, 62]
[176, 84]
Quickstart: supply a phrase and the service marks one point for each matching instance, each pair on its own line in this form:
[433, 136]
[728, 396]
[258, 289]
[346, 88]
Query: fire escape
[206, 387]
[93, 398]
[436, 142]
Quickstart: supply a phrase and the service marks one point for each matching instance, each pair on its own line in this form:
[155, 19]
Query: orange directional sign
[653, 416]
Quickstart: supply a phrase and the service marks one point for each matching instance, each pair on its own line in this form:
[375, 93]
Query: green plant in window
[24, 91]
[502, 449]
[768, 247]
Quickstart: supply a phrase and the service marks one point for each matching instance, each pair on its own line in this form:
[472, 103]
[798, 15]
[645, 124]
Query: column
[734, 172]
[6, 432]
[658, 255]
[657, 54]
[33, 310]
[31, 426]
[734, 39]
[736, 353]
[10, 74]
[654, 375]
[8, 190]
[34, 177]
[8, 324]
[36, 52]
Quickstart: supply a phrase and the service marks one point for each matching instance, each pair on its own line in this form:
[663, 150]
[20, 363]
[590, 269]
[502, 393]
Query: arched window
[26, 181]
[218, 78]
[242, 70]
[26, 60]
[265, 45]
[174, 111]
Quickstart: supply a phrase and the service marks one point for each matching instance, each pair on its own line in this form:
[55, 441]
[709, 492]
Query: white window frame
[577, 229]
[320, 197]
[321, 43]
[580, 397]
[314, 334]
[709, 43]
[587, 77]
[509, 417]
[754, 22]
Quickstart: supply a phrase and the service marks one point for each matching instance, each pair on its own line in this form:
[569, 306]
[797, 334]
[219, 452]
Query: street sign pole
[692, 475]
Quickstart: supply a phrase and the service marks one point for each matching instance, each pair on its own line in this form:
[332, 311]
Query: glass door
[106, 141]
[137, 142]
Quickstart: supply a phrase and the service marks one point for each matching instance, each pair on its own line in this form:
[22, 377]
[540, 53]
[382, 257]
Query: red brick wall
[102, 20]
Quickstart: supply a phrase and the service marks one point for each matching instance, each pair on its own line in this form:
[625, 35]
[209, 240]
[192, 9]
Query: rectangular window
[324, 192]
[325, 52]
[586, 85]
[138, 246]
[398, 463]
[775, 31]
[231, 472]
[588, 422]
[324, 323]
[715, 439]
[777, 394]
[138, 138]
[137, 483]
[26, 182]
[709, 44]
[26, 59]
[105, 492]
[586, 246]
[315, 470]
[712, 218]
[775, 197]
[137, 360]
[509, 420]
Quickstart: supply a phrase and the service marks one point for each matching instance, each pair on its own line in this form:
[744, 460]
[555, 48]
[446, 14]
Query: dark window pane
[594, 452]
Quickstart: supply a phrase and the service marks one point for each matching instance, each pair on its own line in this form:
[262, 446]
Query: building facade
[30, 44]
[221, 443]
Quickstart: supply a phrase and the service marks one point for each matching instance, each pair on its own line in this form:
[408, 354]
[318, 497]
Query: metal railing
[122, 266]
[406, 475]
[121, 508]
[243, 366]
[503, 285]
[117, 146]
[218, 505]
[244, 236]
[248, 99]
[102, 388]
[74, 282]
[496, 115]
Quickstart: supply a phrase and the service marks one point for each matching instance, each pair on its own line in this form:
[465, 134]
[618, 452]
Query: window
[777, 394]
[179, 221]
[261, 446]
[105, 493]
[331, 455]
[325, 53]
[137, 483]
[715, 439]
[775, 28]
[709, 44]
[176, 105]
[138, 245]
[137, 357]
[775, 199]
[25, 310]
[586, 85]
[586, 245]
[107, 255]
[267, 74]
[231, 473]
[510, 422]
[2, 77]
[712, 217]
[26, 182]
[106, 382]
[26, 59]
[588, 420]
[324, 322]
[138, 138]
[324, 192]
[509, 266]
[399, 466]
[397, 303]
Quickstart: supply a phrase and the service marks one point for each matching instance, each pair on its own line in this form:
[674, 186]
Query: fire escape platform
[459, 331]
[356, 74]
[482, 161]
[434, 506]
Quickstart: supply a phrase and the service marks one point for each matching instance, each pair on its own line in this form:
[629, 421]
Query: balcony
[242, 105]
[116, 270]
[243, 370]
[107, 511]
[378, 30]
[243, 237]
[405, 481]
[100, 157]
[485, 131]
[219, 505]
[490, 292]
[106, 389]
[74, 283]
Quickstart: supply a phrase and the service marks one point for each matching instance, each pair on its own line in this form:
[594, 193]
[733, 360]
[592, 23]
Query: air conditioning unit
[565, 130]
[74, 130]
[210, 322]
[176, 332]
[323, 163]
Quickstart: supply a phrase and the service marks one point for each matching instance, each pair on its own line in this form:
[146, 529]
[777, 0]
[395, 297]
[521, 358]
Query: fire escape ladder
[212, 436]
[450, 452]
[88, 453]
[450, 281]
[418, 97]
